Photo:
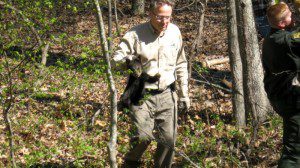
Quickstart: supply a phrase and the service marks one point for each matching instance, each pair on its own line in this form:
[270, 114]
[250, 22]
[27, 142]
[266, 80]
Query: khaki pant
[154, 119]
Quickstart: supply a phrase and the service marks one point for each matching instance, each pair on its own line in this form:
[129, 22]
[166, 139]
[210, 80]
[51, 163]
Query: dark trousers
[290, 157]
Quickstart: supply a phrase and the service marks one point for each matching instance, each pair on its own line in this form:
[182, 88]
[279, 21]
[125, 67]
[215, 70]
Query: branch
[185, 6]
[210, 63]
[95, 116]
[212, 84]
[198, 38]
[44, 53]
[23, 61]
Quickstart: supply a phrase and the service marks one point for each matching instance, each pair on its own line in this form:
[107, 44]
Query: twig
[211, 84]
[94, 117]
[86, 157]
[178, 9]
[45, 52]
[186, 158]
[247, 163]
[19, 64]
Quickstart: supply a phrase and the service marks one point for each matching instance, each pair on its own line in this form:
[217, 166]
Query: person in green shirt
[281, 62]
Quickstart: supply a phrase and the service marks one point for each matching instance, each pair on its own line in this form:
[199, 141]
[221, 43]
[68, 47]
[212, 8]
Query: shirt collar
[154, 32]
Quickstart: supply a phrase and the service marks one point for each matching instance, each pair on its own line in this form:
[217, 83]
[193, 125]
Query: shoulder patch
[296, 35]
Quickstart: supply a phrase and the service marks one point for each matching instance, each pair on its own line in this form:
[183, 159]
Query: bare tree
[113, 111]
[7, 98]
[138, 7]
[116, 18]
[235, 65]
[255, 97]
[198, 40]
[109, 25]
[45, 53]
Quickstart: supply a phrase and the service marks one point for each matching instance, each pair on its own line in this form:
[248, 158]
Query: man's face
[161, 17]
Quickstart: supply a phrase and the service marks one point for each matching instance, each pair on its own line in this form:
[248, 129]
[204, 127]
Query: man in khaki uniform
[157, 45]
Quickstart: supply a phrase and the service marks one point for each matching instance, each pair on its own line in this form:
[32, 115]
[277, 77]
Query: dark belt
[156, 91]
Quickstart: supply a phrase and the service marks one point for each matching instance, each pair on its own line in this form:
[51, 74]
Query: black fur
[135, 89]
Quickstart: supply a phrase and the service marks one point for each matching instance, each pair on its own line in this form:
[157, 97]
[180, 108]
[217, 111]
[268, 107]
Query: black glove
[182, 107]
[182, 112]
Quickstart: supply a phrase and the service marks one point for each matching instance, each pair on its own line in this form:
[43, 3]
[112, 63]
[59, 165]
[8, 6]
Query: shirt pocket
[169, 54]
[145, 52]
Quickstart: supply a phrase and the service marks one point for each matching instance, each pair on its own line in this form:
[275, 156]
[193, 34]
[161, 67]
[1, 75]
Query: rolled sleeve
[182, 76]
[125, 50]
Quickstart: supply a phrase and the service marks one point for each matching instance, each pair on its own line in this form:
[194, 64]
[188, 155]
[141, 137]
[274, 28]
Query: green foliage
[42, 96]
[200, 70]
[53, 104]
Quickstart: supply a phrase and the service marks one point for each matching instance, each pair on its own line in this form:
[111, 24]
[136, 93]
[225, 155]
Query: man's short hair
[156, 3]
[277, 13]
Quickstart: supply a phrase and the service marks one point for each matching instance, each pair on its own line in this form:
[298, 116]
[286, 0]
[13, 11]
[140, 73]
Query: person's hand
[182, 107]
[182, 111]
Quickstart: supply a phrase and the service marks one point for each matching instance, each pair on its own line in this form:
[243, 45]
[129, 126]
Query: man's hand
[182, 111]
[182, 107]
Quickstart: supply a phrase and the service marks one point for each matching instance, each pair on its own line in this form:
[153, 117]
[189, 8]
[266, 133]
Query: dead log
[211, 84]
[227, 83]
[210, 63]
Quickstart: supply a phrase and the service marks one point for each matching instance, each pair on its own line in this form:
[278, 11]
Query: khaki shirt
[162, 55]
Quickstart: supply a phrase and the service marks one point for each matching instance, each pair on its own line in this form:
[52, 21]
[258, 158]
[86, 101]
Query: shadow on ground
[89, 64]
[54, 165]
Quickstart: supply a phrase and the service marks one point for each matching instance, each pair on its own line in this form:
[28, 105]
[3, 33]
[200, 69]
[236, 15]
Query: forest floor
[54, 106]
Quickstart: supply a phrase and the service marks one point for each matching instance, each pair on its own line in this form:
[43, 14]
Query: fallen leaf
[100, 123]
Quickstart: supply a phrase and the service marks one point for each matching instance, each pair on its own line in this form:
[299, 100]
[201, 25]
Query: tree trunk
[138, 7]
[255, 97]
[113, 111]
[10, 136]
[7, 103]
[109, 26]
[116, 18]
[236, 66]
[198, 39]
[45, 53]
